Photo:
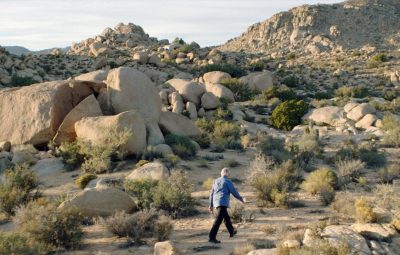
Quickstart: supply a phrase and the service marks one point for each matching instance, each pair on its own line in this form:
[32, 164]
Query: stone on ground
[177, 124]
[154, 170]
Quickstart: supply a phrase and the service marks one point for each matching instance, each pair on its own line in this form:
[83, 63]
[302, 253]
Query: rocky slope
[352, 24]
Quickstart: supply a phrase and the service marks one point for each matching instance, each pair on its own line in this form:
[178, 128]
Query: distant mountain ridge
[348, 25]
[20, 50]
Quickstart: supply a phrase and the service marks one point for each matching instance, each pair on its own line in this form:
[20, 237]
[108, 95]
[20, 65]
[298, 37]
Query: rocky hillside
[353, 24]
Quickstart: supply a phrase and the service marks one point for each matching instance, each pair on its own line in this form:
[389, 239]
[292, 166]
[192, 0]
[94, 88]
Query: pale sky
[40, 24]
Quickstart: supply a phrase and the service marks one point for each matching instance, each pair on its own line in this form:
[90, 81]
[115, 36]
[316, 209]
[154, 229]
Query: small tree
[288, 114]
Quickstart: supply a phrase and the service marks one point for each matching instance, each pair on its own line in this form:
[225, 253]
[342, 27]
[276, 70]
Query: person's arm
[234, 192]
[212, 197]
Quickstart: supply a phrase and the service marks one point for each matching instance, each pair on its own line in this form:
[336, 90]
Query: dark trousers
[222, 215]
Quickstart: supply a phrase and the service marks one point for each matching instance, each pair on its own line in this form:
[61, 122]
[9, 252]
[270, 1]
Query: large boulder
[48, 167]
[33, 114]
[129, 89]
[350, 106]
[5, 146]
[373, 231]
[335, 235]
[209, 101]
[101, 202]
[95, 129]
[99, 75]
[154, 170]
[178, 124]
[89, 107]
[141, 57]
[367, 121]
[215, 77]
[176, 102]
[99, 49]
[360, 111]
[220, 91]
[259, 81]
[330, 115]
[190, 91]
[166, 248]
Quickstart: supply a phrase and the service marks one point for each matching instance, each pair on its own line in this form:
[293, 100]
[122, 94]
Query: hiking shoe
[233, 234]
[214, 241]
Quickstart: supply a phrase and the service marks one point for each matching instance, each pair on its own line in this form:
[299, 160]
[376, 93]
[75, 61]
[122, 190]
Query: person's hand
[211, 210]
[244, 201]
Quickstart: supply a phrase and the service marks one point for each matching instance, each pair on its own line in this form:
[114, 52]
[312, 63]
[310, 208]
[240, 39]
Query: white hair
[225, 171]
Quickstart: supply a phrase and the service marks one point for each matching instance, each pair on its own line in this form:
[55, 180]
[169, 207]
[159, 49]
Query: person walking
[219, 199]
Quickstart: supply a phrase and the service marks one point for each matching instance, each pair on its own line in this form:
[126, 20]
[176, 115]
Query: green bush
[274, 148]
[283, 93]
[182, 146]
[203, 140]
[241, 91]
[173, 195]
[140, 225]
[291, 81]
[18, 187]
[370, 155]
[83, 180]
[15, 243]
[272, 183]
[95, 158]
[18, 81]
[288, 114]
[205, 125]
[143, 190]
[49, 227]
[234, 71]
[223, 114]
[226, 135]
[308, 147]
[319, 181]
[356, 92]
[391, 127]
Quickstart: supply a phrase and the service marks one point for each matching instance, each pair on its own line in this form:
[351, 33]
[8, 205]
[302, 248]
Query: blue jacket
[220, 193]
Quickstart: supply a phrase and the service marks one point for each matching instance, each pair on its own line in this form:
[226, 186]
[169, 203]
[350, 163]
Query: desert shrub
[370, 155]
[173, 195]
[391, 127]
[274, 148]
[18, 187]
[207, 184]
[344, 204]
[390, 173]
[348, 170]
[150, 154]
[257, 66]
[49, 227]
[70, 154]
[327, 196]
[308, 147]
[181, 146]
[320, 246]
[283, 93]
[142, 190]
[357, 92]
[223, 114]
[205, 125]
[243, 249]
[203, 140]
[84, 179]
[320, 180]
[234, 71]
[225, 134]
[171, 160]
[96, 158]
[19, 81]
[364, 211]
[15, 243]
[288, 114]
[230, 163]
[291, 81]
[241, 91]
[387, 197]
[236, 212]
[272, 183]
[140, 225]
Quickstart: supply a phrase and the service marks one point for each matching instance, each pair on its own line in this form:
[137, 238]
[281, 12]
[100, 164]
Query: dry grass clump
[49, 227]
[348, 170]
[140, 225]
[207, 184]
[344, 204]
[243, 249]
[18, 187]
[272, 182]
[364, 211]
[15, 243]
[321, 180]
[83, 180]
